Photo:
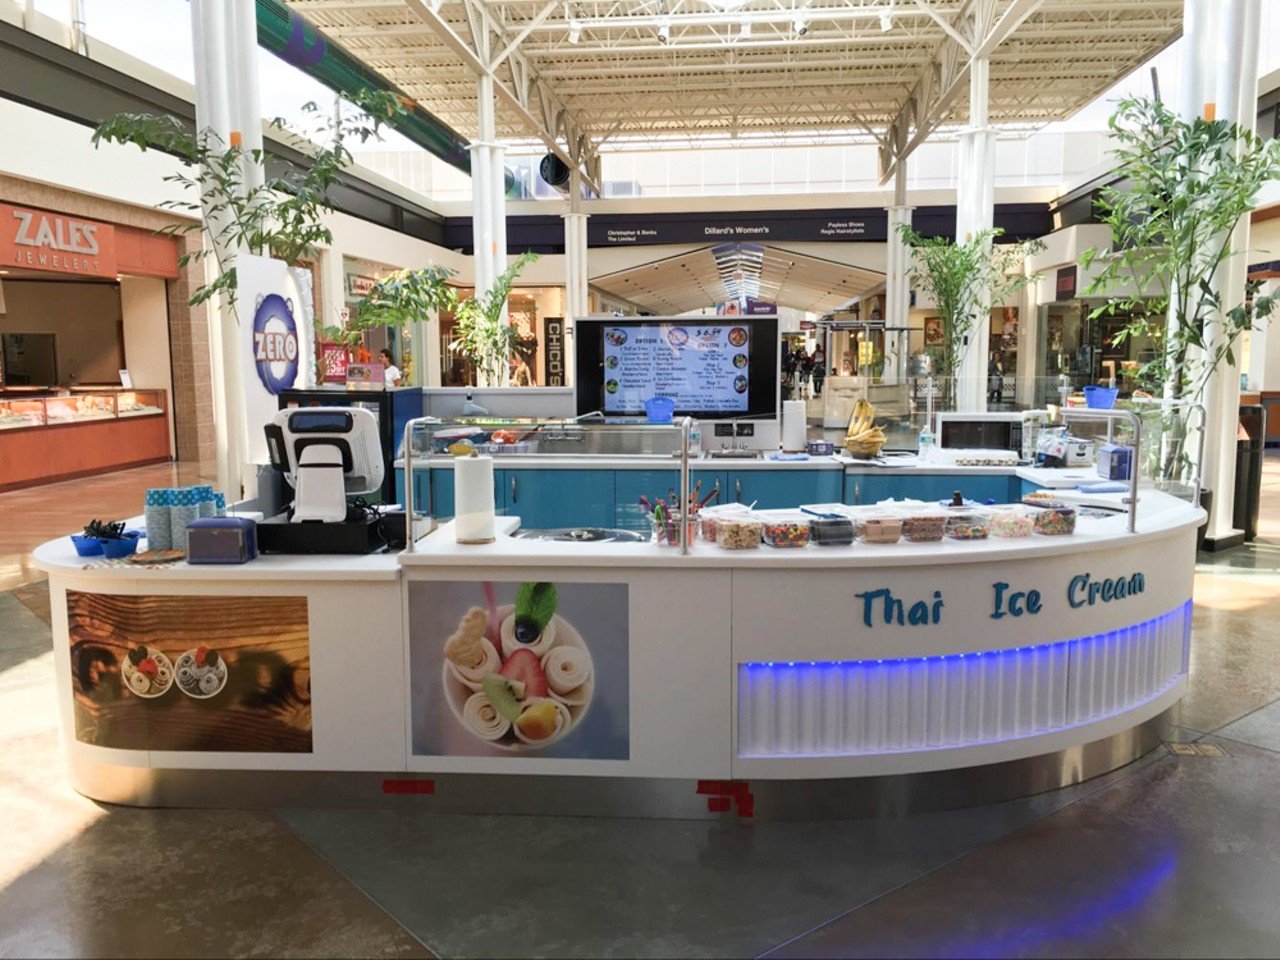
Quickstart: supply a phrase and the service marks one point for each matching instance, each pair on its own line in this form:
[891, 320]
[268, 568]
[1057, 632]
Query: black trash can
[1250, 445]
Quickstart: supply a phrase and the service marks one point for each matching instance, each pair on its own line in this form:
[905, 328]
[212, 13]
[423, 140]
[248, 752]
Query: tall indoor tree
[963, 279]
[482, 332]
[1181, 187]
[275, 210]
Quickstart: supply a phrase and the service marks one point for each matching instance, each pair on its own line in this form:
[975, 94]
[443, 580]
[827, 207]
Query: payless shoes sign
[56, 243]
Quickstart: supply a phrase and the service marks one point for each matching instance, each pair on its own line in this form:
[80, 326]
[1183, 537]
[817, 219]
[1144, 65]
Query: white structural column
[975, 212]
[482, 199]
[1234, 68]
[575, 251]
[897, 294]
[226, 104]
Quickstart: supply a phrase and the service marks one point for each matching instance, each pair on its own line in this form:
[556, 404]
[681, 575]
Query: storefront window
[538, 358]
[1087, 349]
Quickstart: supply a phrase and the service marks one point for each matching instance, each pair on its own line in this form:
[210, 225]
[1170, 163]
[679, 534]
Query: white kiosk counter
[647, 681]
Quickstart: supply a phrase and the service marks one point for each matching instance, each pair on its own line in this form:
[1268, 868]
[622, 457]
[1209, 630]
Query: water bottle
[926, 445]
[695, 440]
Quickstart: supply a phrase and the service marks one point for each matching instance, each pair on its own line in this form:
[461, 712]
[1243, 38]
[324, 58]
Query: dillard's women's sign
[56, 243]
[882, 608]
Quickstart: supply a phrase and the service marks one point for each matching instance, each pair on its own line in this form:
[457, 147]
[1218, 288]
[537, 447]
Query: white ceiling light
[664, 32]
[726, 4]
[744, 29]
[802, 26]
[886, 19]
[435, 5]
[575, 31]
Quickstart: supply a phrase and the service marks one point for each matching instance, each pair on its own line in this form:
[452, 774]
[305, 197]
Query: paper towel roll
[473, 499]
[795, 427]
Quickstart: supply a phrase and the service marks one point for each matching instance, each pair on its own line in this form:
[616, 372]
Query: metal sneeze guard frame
[431, 424]
[1110, 416]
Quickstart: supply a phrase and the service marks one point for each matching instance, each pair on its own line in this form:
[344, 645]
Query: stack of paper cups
[795, 427]
[204, 501]
[156, 509]
[183, 511]
[473, 514]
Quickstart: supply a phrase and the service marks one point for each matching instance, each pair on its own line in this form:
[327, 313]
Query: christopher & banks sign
[56, 243]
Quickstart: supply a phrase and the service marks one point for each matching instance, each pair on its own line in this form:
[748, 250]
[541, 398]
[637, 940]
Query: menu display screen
[709, 368]
[699, 367]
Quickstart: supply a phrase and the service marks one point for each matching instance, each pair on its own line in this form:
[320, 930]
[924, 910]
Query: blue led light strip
[1182, 611]
[850, 707]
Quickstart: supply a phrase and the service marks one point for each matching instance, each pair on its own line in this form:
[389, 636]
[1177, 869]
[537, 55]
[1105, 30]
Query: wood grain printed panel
[264, 707]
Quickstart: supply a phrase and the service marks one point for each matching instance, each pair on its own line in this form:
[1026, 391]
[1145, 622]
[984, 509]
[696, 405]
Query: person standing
[995, 378]
[391, 375]
[819, 369]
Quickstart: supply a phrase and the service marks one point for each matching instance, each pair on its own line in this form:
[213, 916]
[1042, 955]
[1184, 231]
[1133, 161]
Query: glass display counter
[80, 432]
[79, 407]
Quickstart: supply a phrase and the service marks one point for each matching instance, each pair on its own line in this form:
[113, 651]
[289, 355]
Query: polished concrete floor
[1176, 855]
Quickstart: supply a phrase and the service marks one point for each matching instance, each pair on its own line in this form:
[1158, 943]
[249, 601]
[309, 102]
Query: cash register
[332, 458]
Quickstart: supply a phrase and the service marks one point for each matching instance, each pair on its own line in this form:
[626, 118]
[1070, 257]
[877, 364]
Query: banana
[862, 428]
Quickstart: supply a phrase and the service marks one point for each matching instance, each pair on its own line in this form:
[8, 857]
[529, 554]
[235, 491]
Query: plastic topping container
[707, 527]
[1055, 521]
[881, 529]
[1015, 522]
[786, 533]
[831, 532]
[968, 525]
[738, 534]
[924, 527]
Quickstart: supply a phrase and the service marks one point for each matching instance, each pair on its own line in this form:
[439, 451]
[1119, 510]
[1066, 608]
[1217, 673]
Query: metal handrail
[1091, 413]
[409, 544]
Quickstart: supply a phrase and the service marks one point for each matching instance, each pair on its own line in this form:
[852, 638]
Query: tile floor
[1171, 856]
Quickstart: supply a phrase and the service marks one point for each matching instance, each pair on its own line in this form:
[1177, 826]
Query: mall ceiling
[587, 74]
[704, 277]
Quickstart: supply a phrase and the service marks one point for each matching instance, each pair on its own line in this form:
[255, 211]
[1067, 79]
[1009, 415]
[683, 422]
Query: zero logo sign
[275, 343]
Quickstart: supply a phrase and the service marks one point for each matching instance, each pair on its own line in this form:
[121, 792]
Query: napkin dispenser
[222, 540]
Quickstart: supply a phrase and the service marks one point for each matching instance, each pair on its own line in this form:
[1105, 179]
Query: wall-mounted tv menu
[713, 368]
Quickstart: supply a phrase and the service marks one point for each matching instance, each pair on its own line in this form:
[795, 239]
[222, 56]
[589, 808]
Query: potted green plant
[963, 279]
[482, 334]
[1181, 187]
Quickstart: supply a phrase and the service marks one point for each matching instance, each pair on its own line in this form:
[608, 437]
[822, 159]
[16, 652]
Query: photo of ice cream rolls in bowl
[147, 672]
[201, 673]
[535, 691]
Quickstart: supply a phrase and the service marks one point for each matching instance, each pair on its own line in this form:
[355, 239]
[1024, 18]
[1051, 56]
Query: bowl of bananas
[863, 439]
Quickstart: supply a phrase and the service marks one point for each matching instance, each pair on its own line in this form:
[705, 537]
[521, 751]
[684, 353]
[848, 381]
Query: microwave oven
[1003, 430]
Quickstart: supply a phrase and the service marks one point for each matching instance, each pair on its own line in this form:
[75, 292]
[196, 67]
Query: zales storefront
[100, 362]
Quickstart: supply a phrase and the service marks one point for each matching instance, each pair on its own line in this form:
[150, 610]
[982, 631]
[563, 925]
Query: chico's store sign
[53, 242]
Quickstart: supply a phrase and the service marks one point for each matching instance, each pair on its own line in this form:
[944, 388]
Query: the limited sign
[56, 243]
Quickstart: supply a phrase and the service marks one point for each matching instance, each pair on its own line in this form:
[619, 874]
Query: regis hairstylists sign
[41, 240]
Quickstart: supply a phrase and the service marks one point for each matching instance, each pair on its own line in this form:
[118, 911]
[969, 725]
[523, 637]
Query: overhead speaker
[554, 171]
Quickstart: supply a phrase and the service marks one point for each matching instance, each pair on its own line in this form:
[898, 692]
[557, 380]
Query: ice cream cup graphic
[149, 678]
[565, 716]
